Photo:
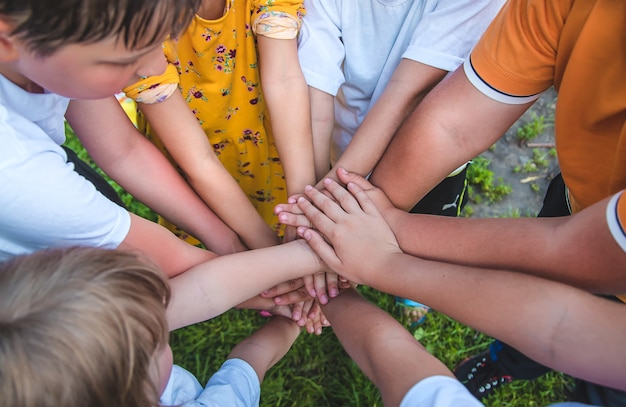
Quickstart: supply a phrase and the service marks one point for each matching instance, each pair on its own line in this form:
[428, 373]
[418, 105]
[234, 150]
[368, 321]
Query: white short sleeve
[439, 391]
[320, 47]
[448, 31]
[235, 384]
[43, 201]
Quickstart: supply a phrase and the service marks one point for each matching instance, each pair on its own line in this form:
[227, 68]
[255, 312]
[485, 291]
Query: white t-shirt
[43, 201]
[350, 49]
[444, 391]
[235, 384]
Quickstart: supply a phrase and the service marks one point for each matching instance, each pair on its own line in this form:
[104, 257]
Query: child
[404, 371]
[88, 327]
[531, 45]
[566, 321]
[233, 69]
[368, 64]
[78, 59]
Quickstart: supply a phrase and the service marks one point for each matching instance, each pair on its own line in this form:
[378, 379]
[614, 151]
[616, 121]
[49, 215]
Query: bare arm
[453, 124]
[287, 97]
[571, 249]
[211, 288]
[384, 350]
[187, 143]
[134, 163]
[566, 321]
[172, 255]
[409, 84]
[322, 121]
[267, 345]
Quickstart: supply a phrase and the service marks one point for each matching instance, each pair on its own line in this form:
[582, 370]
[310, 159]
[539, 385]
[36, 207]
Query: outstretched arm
[409, 84]
[565, 319]
[185, 140]
[453, 124]
[211, 288]
[322, 123]
[568, 249]
[384, 350]
[133, 162]
[267, 345]
[287, 97]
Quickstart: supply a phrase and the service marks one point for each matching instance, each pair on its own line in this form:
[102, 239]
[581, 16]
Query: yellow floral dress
[215, 65]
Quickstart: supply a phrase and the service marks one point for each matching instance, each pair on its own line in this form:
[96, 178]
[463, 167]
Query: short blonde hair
[80, 327]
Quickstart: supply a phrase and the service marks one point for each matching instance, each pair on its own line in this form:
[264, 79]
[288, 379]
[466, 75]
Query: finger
[316, 312]
[346, 177]
[292, 297]
[293, 198]
[319, 279]
[291, 219]
[309, 284]
[283, 288]
[347, 201]
[289, 207]
[322, 248]
[306, 308]
[327, 207]
[363, 199]
[310, 326]
[332, 284]
[296, 311]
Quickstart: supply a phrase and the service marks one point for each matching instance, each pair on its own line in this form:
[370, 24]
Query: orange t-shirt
[579, 47]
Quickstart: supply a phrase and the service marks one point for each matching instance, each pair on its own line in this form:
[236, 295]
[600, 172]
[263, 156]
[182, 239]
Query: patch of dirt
[509, 154]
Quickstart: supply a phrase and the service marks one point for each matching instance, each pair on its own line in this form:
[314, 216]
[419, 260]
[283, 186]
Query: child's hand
[316, 320]
[267, 304]
[358, 240]
[376, 195]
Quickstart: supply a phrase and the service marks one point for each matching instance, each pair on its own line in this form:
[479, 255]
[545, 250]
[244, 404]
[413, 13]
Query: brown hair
[80, 327]
[44, 25]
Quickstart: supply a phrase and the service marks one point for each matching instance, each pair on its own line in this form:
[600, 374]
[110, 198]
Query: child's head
[128, 33]
[81, 327]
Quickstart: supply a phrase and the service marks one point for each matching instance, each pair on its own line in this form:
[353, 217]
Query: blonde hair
[80, 327]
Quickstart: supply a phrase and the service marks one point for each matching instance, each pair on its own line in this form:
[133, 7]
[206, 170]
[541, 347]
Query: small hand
[357, 237]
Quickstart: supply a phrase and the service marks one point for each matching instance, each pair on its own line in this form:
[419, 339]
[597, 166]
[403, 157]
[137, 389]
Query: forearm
[322, 123]
[134, 163]
[564, 319]
[287, 97]
[384, 350]
[568, 249]
[227, 199]
[453, 124]
[267, 345]
[171, 254]
[188, 145]
[409, 84]
[213, 287]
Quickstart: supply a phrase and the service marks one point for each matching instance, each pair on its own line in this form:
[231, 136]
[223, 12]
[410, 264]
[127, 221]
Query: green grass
[316, 372]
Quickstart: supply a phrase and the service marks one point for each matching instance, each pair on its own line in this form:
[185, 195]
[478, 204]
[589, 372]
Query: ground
[526, 166]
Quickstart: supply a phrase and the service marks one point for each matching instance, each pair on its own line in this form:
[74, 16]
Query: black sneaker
[480, 375]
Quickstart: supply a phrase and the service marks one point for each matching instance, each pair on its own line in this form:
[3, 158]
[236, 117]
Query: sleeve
[235, 384]
[616, 218]
[439, 391]
[446, 34]
[277, 19]
[320, 49]
[514, 60]
[157, 88]
[45, 203]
